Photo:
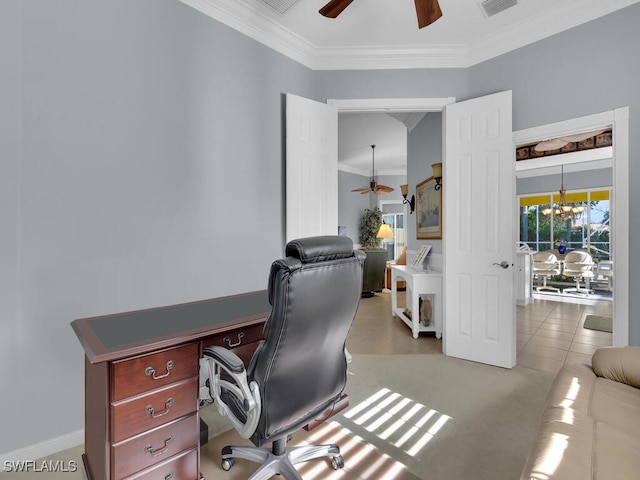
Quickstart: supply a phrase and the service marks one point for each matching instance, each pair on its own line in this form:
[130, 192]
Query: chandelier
[563, 210]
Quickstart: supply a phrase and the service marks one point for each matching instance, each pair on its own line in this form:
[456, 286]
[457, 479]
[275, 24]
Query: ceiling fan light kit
[427, 11]
[373, 185]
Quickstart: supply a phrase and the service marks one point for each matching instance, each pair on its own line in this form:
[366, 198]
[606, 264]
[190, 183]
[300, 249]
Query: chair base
[280, 460]
[544, 287]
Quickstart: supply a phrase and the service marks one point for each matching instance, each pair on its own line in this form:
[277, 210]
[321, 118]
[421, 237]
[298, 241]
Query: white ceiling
[388, 132]
[378, 34]
[384, 33]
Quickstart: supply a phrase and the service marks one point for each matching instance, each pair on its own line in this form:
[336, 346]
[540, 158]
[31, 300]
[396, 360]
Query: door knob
[503, 264]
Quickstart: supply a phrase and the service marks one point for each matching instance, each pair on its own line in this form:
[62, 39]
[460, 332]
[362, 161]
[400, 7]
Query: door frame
[619, 118]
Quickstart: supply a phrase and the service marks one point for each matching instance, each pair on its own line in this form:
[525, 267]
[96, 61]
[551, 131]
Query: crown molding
[258, 26]
[541, 26]
[391, 57]
[254, 24]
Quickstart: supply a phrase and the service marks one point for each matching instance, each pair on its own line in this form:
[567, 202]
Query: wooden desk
[418, 282]
[141, 383]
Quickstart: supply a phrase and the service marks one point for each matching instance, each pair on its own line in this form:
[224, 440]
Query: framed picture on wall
[428, 210]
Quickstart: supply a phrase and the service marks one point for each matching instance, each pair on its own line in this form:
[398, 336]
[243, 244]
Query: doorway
[618, 118]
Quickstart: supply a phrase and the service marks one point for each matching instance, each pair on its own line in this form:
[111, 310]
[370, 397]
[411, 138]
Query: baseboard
[44, 449]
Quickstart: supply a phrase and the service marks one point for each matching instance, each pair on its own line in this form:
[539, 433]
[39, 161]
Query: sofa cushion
[572, 388]
[615, 454]
[621, 364]
[562, 448]
[617, 405]
[590, 426]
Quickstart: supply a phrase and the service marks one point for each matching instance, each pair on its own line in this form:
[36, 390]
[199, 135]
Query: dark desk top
[110, 337]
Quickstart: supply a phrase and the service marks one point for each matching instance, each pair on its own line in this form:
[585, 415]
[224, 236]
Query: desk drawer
[144, 412]
[150, 448]
[236, 338]
[147, 372]
[180, 467]
[243, 341]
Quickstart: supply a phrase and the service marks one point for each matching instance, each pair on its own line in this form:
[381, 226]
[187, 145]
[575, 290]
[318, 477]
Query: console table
[418, 282]
[141, 383]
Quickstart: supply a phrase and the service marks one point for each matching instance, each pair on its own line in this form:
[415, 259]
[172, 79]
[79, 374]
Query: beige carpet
[427, 415]
[435, 417]
[362, 460]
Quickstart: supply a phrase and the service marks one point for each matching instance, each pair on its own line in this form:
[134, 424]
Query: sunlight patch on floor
[404, 423]
[361, 459]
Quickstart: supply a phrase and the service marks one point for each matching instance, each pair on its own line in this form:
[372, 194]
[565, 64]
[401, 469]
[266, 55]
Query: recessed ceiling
[384, 33]
[388, 132]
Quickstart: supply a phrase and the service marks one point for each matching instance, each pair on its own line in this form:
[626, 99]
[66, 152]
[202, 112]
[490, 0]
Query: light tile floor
[550, 331]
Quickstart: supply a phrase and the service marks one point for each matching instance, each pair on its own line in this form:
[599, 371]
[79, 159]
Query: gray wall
[351, 204]
[148, 170]
[142, 158]
[10, 117]
[424, 148]
[434, 83]
[587, 179]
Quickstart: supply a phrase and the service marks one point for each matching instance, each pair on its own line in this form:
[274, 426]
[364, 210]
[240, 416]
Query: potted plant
[369, 225]
[376, 262]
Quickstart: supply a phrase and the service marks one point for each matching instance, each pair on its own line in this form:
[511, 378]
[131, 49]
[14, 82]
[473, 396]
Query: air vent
[281, 6]
[493, 7]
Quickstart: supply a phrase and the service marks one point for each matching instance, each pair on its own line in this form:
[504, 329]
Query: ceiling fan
[556, 143]
[373, 185]
[428, 11]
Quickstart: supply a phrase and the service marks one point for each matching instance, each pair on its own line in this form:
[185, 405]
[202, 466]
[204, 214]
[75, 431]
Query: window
[586, 225]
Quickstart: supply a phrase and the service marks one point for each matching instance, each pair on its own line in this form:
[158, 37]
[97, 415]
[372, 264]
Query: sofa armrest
[621, 364]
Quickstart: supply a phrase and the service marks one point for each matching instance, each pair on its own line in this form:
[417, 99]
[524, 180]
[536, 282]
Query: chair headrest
[320, 249]
[545, 257]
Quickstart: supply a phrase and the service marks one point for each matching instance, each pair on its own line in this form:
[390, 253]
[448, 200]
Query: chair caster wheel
[337, 462]
[227, 463]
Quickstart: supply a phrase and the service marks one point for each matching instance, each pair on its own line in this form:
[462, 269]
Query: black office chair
[300, 370]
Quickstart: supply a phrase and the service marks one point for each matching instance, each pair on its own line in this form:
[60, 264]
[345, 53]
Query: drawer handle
[227, 340]
[168, 476]
[150, 410]
[155, 453]
[150, 371]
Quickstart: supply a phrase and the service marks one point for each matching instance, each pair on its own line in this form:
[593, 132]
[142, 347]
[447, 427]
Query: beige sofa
[590, 427]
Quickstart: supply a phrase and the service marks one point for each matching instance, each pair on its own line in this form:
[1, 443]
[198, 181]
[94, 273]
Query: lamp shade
[437, 169]
[384, 231]
[404, 189]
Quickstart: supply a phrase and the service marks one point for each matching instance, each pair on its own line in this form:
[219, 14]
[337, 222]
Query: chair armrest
[621, 364]
[248, 393]
[226, 358]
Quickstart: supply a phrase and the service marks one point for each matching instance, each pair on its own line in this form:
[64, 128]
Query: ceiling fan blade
[334, 8]
[362, 189]
[578, 137]
[428, 11]
[382, 189]
[553, 144]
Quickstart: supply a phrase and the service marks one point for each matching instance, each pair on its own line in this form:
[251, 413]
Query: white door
[312, 168]
[479, 235]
